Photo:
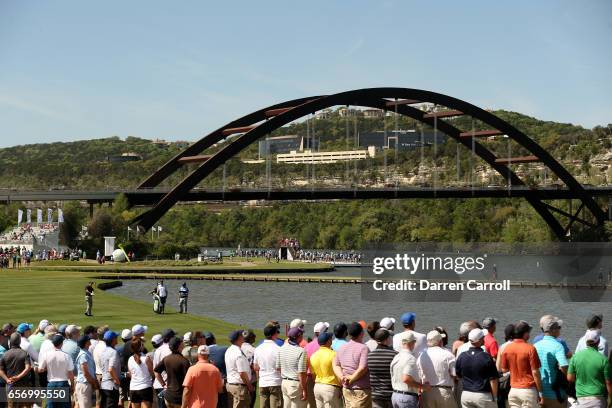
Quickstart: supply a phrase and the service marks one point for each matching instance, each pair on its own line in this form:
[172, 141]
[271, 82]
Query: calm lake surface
[251, 304]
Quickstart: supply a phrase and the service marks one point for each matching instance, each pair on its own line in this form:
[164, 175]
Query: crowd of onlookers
[379, 364]
[289, 243]
[14, 257]
[28, 233]
[329, 256]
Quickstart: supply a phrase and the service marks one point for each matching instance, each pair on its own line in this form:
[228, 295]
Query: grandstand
[33, 237]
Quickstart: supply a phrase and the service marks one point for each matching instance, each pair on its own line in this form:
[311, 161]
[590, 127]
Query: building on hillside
[344, 112]
[324, 114]
[404, 139]
[310, 157]
[373, 113]
[285, 144]
[160, 142]
[124, 157]
[182, 144]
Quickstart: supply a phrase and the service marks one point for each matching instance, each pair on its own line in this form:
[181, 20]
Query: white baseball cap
[203, 349]
[476, 335]
[433, 338]
[156, 339]
[297, 323]
[71, 329]
[43, 324]
[187, 337]
[321, 327]
[139, 329]
[126, 334]
[592, 335]
[387, 322]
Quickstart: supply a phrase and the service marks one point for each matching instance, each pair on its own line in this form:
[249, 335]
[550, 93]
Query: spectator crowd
[381, 364]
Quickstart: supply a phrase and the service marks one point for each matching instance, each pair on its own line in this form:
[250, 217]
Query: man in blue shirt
[543, 320]
[217, 357]
[86, 381]
[478, 374]
[552, 359]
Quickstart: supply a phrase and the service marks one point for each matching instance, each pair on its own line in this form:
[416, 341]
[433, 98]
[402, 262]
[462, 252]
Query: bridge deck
[152, 196]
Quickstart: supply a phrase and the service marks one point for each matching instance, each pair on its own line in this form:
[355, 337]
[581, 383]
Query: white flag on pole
[19, 216]
[159, 228]
[49, 215]
[153, 229]
[60, 215]
[129, 229]
[39, 216]
[29, 215]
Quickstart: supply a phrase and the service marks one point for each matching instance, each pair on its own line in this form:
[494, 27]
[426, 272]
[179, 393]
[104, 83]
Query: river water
[252, 304]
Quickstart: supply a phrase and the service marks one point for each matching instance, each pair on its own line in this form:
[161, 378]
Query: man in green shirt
[592, 374]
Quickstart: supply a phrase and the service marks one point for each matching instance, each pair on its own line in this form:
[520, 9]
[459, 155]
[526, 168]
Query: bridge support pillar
[90, 210]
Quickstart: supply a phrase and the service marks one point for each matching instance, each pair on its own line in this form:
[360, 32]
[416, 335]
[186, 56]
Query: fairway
[58, 296]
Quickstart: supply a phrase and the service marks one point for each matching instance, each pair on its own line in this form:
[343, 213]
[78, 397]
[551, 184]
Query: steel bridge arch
[262, 122]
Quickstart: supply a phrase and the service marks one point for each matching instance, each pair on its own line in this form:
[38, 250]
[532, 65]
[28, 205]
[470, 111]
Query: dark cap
[382, 335]
[57, 340]
[295, 332]
[235, 335]
[208, 335]
[521, 328]
[324, 338]
[594, 321]
[82, 342]
[168, 334]
[355, 329]
[340, 330]
[270, 331]
[175, 343]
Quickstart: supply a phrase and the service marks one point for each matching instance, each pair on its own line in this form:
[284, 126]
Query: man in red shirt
[202, 383]
[490, 343]
[521, 359]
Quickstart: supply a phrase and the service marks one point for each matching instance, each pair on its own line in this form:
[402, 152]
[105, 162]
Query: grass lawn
[34, 294]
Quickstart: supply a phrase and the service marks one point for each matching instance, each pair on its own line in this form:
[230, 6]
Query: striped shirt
[351, 357]
[379, 366]
[291, 361]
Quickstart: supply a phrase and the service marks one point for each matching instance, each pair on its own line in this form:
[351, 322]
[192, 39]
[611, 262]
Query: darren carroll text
[424, 284]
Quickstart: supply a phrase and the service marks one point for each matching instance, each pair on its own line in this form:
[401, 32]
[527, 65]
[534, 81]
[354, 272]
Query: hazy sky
[176, 70]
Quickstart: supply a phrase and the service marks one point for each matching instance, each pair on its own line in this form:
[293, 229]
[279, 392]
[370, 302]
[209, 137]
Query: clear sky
[73, 69]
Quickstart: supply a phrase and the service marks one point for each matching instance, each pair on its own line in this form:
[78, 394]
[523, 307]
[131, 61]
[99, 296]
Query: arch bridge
[250, 128]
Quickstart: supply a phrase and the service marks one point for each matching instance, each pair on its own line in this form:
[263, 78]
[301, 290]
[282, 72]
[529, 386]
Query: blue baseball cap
[235, 335]
[324, 338]
[408, 318]
[109, 335]
[23, 327]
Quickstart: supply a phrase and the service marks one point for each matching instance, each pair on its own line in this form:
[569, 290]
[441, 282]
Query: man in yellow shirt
[327, 389]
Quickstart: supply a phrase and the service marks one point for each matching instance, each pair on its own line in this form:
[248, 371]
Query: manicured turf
[32, 295]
